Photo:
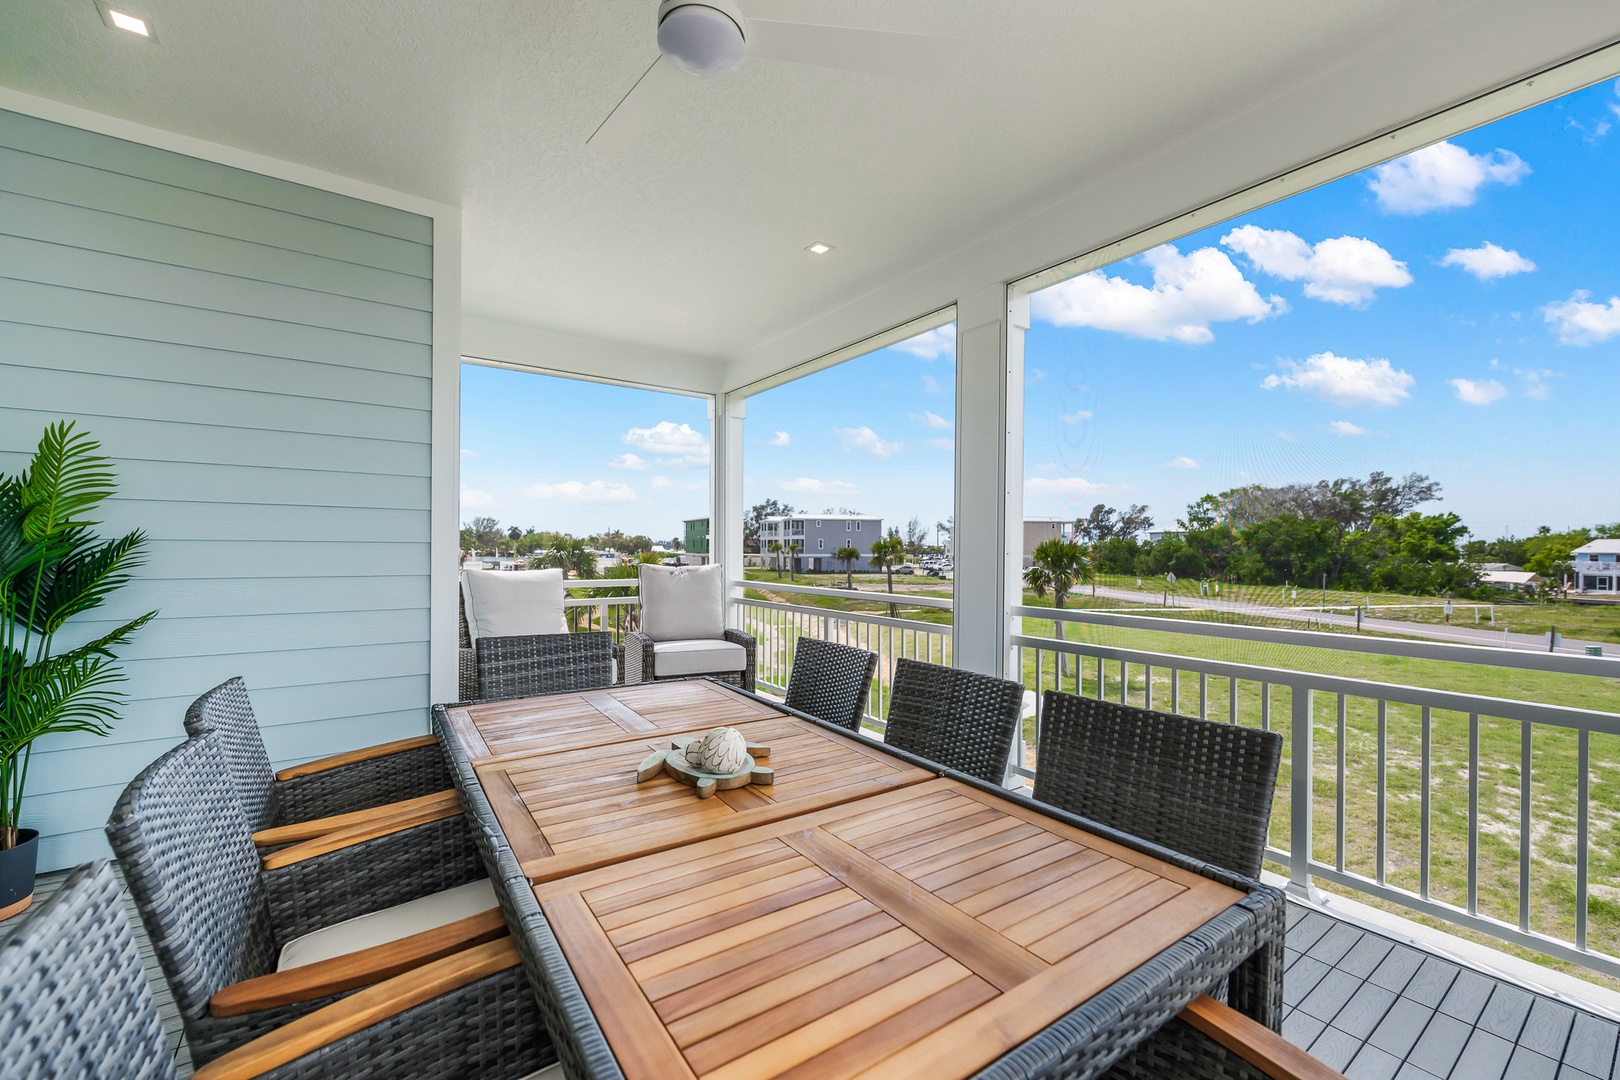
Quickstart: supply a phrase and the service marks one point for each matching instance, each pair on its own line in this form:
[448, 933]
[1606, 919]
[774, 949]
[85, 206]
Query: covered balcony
[253, 253]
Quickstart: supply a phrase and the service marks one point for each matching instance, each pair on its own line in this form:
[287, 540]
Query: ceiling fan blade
[915, 57]
[640, 106]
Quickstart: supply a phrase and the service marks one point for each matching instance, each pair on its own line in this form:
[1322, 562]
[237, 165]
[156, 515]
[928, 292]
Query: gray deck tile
[1308, 930]
[1398, 1032]
[1484, 1058]
[1433, 979]
[1529, 1065]
[1410, 1071]
[1440, 1044]
[1505, 1014]
[1366, 1007]
[1547, 1030]
[1335, 943]
[1335, 1048]
[1301, 1029]
[1302, 978]
[1398, 968]
[1591, 1045]
[1365, 956]
[1290, 954]
[1373, 1064]
[1566, 1072]
[1467, 997]
[1329, 996]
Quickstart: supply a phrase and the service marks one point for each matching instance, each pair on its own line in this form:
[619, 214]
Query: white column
[726, 509]
[989, 473]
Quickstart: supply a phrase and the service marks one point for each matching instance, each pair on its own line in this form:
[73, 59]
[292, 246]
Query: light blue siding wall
[255, 356]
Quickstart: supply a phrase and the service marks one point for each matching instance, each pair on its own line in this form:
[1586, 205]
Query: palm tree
[1058, 566]
[847, 555]
[573, 556]
[885, 553]
[775, 548]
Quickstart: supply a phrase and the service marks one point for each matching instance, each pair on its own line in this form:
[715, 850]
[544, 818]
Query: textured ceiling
[693, 239]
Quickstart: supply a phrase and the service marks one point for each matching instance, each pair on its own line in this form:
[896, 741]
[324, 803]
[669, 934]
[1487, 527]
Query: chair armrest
[309, 830]
[356, 969]
[366, 753]
[351, 835]
[360, 1010]
[1254, 1042]
[638, 657]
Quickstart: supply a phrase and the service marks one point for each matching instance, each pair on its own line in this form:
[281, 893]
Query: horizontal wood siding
[255, 355]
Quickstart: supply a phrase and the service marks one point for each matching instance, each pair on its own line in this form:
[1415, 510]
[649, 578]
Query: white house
[814, 538]
[1597, 567]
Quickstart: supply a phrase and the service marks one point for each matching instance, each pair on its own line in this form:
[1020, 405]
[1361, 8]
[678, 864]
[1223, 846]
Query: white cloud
[1076, 417]
[1068, 487]
[664, 483]
[473, 499]
[867, 441]
[1034, 374]
[804, 485]
[781, 438]
[1535, 382]
[1345, 427]
[466, 453]
[674, 444]
[597, 491]
[941, 444]
[1287, 436]
[1343, 270]
[932, 344]
[1344, 381]
[1189, 292]
[1488, 262]
[1581, 322]
[1442, 176]
[931, 420]
[931, 385]
[628, 461]
[1478, 392]
[1182, 462]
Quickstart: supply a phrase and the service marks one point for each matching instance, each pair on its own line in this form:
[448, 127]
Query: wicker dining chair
[959, 719]
[222, 921]
[1195, 786]
[831, 681]
[535, 664]
[344, 784]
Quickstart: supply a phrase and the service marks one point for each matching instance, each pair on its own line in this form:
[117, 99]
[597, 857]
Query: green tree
[1057, 566]
[775, 548]
[572, 557]
[885, 553]
[757, 514]
[847, 555]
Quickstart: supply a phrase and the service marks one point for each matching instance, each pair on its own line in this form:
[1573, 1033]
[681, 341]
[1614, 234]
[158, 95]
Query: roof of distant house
[1599, 547]
[1509, 577]
[1499, 566]
[802, 517]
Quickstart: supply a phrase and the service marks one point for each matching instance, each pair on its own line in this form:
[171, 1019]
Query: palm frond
[65, 481]
[86, 578]
[68, 693]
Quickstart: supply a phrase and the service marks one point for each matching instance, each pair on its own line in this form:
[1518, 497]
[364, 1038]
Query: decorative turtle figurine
[717, 760]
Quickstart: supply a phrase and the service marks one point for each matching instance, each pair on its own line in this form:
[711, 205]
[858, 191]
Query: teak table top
[544, 725]
[925, 932]
[578, 809]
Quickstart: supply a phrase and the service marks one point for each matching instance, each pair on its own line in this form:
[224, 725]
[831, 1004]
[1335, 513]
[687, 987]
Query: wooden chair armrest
[365, 753]
[308, 830]
[1254, 1042]
[361, 968]
[357, 834]
[360, 1010]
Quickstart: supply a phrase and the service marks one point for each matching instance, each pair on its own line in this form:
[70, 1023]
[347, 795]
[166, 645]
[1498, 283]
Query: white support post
[990, 329]
[726, 510]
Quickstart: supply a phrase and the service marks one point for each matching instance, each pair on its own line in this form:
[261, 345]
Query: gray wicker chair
[535, 664]
[1195, 786]
[217, 918]
[959, 719]
[343, 784]
[831, 681]
[685, 656]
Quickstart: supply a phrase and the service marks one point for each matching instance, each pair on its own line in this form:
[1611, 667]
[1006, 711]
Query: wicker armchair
[1201, 788]
[346, 785]
[222, 922]
[959, 719]
[535, 664]
[682, 633]
[641, 665]
[831, 681]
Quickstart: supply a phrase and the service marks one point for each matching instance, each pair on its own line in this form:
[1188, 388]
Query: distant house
[814, 537]
[1596, 569]
[696, 542]
[1509, 578]
[1040, 530]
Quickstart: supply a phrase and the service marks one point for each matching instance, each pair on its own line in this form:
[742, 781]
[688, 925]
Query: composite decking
[1367, 1004]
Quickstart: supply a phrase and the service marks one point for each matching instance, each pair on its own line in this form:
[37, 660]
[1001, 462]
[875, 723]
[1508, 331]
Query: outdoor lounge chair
[536, 664]
[75, 1002]
[831, 681]
[248, 946]
[515, 640]
[959, 719]
[683, 632]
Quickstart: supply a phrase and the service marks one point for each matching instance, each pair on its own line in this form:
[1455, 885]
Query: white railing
[614, 614]
[1429, 759]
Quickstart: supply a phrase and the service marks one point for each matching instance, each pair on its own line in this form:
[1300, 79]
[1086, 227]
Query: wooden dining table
[863, 915]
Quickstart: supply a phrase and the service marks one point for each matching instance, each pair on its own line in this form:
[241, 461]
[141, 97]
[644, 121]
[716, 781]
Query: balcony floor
[1367, 1004]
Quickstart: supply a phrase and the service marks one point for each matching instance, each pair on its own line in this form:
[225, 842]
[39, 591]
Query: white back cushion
[683, 603]
[508, 603]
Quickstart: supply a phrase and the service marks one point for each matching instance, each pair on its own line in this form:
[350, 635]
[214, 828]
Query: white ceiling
[693, 240]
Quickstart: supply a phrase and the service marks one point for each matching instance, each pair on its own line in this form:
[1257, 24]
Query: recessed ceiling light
[818, 248]
[123, 20]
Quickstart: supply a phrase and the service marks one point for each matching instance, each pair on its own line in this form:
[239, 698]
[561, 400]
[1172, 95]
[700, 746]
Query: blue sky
[1456, 312]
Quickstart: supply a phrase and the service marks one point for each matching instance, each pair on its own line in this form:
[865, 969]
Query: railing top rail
[599, 601]
[907, 599]
[855, 616]
[1455, 652]
[1447, 700]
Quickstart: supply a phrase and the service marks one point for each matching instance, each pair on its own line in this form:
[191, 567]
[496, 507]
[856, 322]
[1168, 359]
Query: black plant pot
[17, 874]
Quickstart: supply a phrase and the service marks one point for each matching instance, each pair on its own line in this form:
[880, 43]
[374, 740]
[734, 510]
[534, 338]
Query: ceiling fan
[710, 39]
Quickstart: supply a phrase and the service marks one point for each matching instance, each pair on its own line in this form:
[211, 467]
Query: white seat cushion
[697, 657]
[683, 603]
[389, 924]
[513, 603]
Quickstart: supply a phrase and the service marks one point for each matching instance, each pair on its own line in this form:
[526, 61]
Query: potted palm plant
[52, 568]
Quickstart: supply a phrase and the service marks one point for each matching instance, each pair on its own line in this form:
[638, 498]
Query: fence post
[1299, 839]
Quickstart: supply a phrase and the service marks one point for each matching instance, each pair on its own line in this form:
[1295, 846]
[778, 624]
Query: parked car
[906, 568]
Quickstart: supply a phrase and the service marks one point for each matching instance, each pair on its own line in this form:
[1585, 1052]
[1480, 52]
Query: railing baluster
[1203, 695]
[1524, 827]
[1147, 696]
[1232, 701]
[1338, 796]
[1583, 762]
[1265, 706]
[1124, 680]
[1299, 840]
[1473, 813]
[1383, 784]
[1175, 691]
[1423, 827]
